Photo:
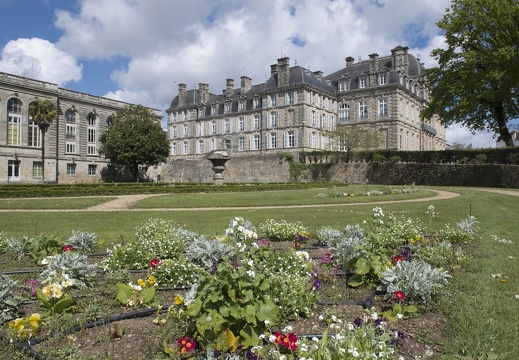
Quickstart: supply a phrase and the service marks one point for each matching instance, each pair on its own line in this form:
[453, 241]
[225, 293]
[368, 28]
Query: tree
[43, 112]
[353, 138]
[477, 80]
[134, 138]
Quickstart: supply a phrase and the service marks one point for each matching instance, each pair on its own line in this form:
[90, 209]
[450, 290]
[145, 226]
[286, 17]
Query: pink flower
[66, 248]
[286, 340]
[326, 259]
[154, 262]
[399, 295]
[397, 259]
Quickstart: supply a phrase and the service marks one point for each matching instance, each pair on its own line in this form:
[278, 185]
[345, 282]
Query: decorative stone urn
[218, 158]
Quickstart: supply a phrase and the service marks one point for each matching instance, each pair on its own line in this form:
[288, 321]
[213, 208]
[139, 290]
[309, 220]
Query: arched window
[14, 122]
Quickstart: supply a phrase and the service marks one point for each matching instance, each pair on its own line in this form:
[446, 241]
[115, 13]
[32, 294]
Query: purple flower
[357, 322]
[317, 284]
[249, 355]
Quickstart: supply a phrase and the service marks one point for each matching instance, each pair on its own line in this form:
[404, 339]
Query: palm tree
[42, 113]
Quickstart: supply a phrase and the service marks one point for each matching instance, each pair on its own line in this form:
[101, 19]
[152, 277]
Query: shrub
[282, 230]
[328, 236]
[178, 272]
[83, 241]
[417, 279]
[131, 256]
[163, 238]
[206, 252]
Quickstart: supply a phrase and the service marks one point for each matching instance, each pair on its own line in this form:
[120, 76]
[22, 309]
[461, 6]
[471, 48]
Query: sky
[138, 51]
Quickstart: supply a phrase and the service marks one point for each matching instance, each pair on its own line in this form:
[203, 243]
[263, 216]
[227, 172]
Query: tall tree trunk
[499, 115]
[43, 156]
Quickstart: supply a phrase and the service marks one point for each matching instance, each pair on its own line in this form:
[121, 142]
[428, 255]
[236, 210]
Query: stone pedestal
[218, 158]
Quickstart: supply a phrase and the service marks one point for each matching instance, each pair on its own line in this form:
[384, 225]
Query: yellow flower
[151, 280]
[178, 300]
[141, 283]
[34, 320]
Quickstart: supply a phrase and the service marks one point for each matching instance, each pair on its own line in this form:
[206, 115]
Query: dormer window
[362, 82]
[382, 79]
[241, 105]
[256, 103]
[344, 85]
[227, 107]
[273, 100]
[214, 109]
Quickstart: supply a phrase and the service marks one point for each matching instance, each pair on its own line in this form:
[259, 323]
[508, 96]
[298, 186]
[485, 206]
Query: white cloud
[480, 139]
[39, 59]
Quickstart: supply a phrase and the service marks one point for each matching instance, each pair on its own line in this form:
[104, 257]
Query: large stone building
[71, 142]
[295, 109]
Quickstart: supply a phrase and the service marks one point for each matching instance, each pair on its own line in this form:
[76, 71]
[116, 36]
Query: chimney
[181, 94]
[246, 84]
[273, 69]
[229, 90]
[203, 90]
[399, 58]
[349, 61]
[284, 71]
[374, 62]
[318, 74]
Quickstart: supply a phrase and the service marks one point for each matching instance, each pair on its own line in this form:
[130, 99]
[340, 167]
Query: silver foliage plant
[417, 279]
[8, 301]
[207, 252]
[70, 263]
[83, 241]
[349, 245]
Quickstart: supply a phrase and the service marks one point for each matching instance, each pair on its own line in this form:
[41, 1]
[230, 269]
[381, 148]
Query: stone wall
[274, 168]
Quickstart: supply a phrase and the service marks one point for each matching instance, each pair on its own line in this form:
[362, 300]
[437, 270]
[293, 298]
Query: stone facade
[71, 142]
[295, 109]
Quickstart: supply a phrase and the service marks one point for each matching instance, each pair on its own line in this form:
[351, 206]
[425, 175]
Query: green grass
[271, 198]
[481, 310]
[51, 203]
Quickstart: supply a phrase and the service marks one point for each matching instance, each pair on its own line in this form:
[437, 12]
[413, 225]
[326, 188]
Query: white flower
[303, 255]
[272, 338]
[399, 316]
[314, 339]
[288, 328]
[267, 322]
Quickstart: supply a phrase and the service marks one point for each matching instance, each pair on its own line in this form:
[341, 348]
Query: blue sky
[139, 50]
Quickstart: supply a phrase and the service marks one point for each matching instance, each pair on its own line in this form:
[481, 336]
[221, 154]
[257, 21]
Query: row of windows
[13, 169]
[344, 84]
[203, 146]
[344, 110]
[14, 129]
[316, 99]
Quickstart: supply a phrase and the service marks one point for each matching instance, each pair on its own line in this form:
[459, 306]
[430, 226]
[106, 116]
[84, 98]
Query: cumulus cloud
[461, 135]
[39, 59]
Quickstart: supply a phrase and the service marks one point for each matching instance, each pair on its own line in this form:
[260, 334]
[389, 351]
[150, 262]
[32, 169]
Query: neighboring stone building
[295, 107]
[71, 142]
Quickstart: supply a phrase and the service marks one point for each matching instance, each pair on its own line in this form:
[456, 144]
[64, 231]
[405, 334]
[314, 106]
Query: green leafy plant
[136, 295]
[400, 312]
[417, 279]
[54, 301]
[241, 230]
[24, 328]
[367, 269]
[232, 308]
[83, 241]
[42, 246]
[8, 301]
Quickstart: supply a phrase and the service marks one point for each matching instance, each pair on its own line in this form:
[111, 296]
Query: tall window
[273, 119]
[290, 139]
[214, 109]
[13, 169]
[227, 107]
[92, 135]
[186, 130]
[14, 122]
[185, 149]
[241, 123]
[71, 169]
[214, 127]
[70, 131]
[344, 113]
[34, 134]
[37, 169]
[313, 118]
[227, 126]
[174, 149]
[241, 105]
[362, 82]
[212, 144]
[256, 123]
[382, 79]
[174, 132]
[382, 107]
[313, 140]
[92, 170]
[291, 97]
[363, 109]
[273, 100]
[241, 143]
[256, 103]
[199, 129]
[255, 143]
[272, 140]
[200, 146]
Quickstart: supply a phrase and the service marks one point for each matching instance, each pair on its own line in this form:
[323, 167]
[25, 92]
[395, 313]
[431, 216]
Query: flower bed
[348, 293]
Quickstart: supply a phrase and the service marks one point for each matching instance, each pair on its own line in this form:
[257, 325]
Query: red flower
[289, 341]
[154, 262]
[397, 259]
[186, 344]
[326, 259]
[66, 248]
[399, 295]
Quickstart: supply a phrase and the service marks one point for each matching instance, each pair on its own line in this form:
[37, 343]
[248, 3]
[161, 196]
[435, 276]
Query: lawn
[480, 305]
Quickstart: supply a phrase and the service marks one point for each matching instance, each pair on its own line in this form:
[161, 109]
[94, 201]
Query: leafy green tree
[476, 82]
[135, 138]
[42, 113]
